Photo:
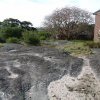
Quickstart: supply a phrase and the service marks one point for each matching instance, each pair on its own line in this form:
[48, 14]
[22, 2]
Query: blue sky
[36, 10]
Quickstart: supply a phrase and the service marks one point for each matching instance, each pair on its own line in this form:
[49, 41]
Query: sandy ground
[85, 87]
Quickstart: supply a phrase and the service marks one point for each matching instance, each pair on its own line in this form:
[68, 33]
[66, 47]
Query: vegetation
[8, 32]
[1, 45]
[13, 30]
[43, 35]
[70, 23]
[93, 44]
[76, 48]
[79, 47]
[13, 40]
[30, 37]
[73, 47]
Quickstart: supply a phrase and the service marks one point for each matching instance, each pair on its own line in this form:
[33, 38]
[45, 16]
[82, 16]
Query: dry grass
[76, 48]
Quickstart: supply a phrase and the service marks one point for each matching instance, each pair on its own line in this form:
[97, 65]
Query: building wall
[97, 27]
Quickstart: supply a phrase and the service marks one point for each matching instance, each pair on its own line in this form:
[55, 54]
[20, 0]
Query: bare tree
[67, 20]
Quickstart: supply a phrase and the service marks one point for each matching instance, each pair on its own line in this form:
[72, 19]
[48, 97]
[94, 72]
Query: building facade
[97, 26]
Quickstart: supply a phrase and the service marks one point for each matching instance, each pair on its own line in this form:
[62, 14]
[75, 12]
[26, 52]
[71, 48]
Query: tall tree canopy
[11, 22]
[11, 27]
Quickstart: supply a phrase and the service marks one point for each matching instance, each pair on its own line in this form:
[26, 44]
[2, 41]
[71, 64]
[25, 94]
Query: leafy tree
[10, 22]
[11, 32]
[26, 25]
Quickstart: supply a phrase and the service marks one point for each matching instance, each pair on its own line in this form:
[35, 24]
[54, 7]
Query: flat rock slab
[26, 72]
[84, 87]
[95, 62]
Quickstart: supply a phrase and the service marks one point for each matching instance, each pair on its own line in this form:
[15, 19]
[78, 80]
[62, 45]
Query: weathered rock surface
[26, 72]
[95, 62]
[84, 87]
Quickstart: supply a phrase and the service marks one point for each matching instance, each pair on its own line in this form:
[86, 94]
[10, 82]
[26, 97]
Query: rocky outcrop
[84, 87]
[26, 72]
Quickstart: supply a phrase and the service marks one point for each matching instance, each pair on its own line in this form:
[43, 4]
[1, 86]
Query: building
[97, 26]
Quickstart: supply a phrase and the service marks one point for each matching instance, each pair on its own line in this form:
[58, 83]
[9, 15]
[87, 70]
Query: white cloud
[36, 10]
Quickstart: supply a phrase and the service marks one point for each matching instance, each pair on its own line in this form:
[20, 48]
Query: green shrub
[43, 38]
[30, 37]
[44, 35]
[12, 40]
[11, 32]
[2, 40]
[93, 44]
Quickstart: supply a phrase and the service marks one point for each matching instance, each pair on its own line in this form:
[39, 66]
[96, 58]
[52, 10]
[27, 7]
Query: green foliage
[12, 40]
[1, 45]
[26, 25]
[11, 32]
[93, 44]
[2, 40]
[30, 37]
[11, 22]
[43, 35]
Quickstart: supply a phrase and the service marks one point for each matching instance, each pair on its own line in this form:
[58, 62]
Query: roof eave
[95, 13]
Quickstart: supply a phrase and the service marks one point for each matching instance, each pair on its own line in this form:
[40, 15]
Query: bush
[30, 37]
[43, 35]
[11, 32]
[93, 44]
[12, 40]
[42, 38]
[2, 40]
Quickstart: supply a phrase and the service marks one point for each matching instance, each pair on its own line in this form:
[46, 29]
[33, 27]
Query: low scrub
[12, 40]
[43, 35]
[93, 44]
[30, 37]
[77, 48]
[8, 32]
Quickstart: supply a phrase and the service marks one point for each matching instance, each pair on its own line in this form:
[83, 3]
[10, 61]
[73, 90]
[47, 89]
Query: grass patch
[1, 45]
[74, 47]
[93, 44]
[12, 40]
[77, 48]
